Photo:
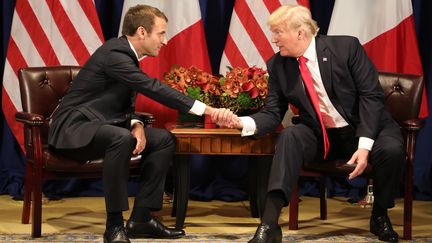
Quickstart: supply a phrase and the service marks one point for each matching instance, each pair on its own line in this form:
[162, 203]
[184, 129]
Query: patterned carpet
[198, 238]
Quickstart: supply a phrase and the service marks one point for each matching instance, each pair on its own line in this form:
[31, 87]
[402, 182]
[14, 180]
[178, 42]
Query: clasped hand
[224, 117]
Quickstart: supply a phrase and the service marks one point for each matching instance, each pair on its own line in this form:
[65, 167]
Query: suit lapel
[325, 66]
[325, 62]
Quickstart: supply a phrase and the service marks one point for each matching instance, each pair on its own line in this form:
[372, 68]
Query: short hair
[141, 15]
[295, 16]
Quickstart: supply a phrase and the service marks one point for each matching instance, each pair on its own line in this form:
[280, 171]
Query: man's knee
[168, 139]
[392, 151]
[123, 138]
[290, 132]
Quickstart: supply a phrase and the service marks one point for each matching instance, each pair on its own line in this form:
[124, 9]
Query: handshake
[224, 117]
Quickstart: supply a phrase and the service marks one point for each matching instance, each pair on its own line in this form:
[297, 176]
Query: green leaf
[244, 100]
[195, 93]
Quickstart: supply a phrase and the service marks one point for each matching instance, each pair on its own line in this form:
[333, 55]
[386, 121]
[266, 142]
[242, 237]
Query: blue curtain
[216, 17]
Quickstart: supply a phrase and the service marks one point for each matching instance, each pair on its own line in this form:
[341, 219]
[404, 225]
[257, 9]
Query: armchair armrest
[413, 125]
[148, 118]
[30, 118]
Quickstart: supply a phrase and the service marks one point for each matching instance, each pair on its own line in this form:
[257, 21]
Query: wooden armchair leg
[293, 209]
[28, 188]
[408, 204]
[37, 207]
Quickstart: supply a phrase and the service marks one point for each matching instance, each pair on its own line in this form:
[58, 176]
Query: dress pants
[115, 145]
[298, 144]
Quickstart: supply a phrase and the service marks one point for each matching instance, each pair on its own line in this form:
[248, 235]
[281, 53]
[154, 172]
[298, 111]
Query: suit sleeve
[122, 68]
[270, 117]
[370, 93]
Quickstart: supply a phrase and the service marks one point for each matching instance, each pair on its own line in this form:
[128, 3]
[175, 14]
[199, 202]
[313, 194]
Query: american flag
[249, 39]
[46, 33]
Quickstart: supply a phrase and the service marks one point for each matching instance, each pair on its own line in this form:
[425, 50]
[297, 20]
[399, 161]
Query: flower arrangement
[241, 89]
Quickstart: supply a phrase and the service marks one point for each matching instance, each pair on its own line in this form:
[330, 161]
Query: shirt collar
[133, 49]
[310, 52]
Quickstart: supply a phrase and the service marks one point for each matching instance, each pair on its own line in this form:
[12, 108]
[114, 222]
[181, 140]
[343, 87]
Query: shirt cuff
[365, 143]
[198, 108]
[249, 125]
[135, 121]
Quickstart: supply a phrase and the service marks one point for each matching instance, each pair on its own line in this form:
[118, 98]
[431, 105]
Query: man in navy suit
[351, 118]
[96, 119]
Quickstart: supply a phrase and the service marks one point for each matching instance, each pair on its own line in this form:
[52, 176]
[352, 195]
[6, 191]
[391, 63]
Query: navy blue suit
[351, 82]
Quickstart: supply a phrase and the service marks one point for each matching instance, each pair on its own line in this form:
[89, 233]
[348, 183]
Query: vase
[185, 118]
[208, 123]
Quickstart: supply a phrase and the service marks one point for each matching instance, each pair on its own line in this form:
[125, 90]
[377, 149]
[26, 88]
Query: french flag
[186, 47]
[386, 30]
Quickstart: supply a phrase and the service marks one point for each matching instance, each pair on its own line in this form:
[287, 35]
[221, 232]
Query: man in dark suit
[96, 119]
[351, 122]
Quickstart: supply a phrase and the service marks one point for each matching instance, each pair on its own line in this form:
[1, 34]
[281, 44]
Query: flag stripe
[245, 45]
[233, 53]
[377, 16]
[11, 85]
[272, 5]
[54, 37]
[253, 29]
[36, 34]
[68, 32]
[91, 14]
[391, 49]
[258, 8]
[81, 24]
[9, 109]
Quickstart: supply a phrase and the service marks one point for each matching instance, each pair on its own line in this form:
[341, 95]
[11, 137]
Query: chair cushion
[56, 162]
[335, 167]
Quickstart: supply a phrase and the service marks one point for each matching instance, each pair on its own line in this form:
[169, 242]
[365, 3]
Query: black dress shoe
[116, 234]
[267, 234]
[381, 227]
[151, 229]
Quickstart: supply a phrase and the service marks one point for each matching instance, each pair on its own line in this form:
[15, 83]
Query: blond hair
[295, 17]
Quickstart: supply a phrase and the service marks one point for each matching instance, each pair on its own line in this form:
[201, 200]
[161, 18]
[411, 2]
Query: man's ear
[141, 32]
[301, 34]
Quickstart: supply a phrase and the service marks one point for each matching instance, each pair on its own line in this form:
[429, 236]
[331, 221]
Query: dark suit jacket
[104, 93]
[349, 77]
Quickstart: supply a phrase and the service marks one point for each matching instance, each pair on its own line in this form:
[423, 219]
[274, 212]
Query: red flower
[241, 88]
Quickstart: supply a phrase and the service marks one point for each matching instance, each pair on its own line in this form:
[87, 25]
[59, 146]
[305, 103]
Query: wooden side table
[219, 141]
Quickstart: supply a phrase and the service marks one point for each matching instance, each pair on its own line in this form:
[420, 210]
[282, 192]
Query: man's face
[152, 42]
[287, 40]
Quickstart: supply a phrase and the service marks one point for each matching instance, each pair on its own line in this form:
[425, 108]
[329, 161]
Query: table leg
[181, 195]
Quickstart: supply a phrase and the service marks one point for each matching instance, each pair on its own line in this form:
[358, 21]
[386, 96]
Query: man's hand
[221, 116]
[138, 133]
[360, 160]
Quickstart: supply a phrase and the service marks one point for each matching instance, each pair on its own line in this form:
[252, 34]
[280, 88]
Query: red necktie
[307, 79]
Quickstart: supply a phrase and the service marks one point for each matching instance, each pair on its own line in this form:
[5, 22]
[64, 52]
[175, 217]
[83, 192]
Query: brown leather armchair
[42, 89]
[403, 95]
